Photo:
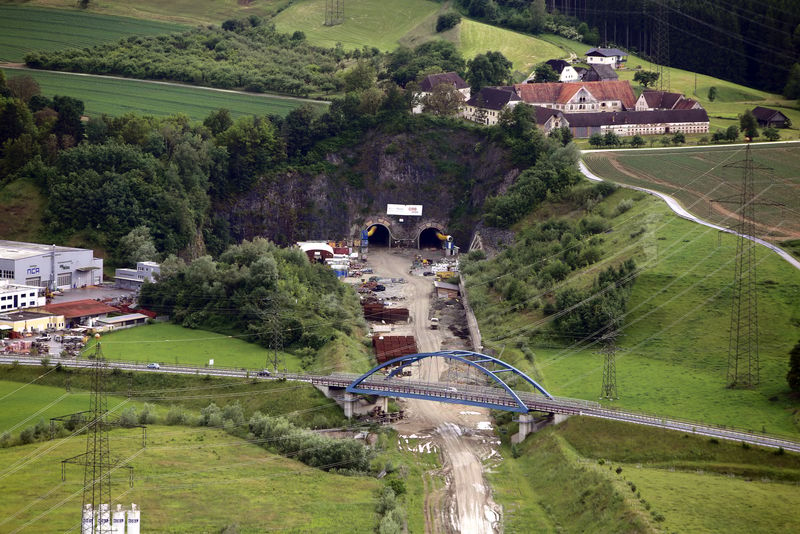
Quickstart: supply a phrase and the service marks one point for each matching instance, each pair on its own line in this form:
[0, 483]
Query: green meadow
[116, 96]
[175, 11]
[366, 22]
[25, 404]
[167, 344]
[25, 29]
[616, 477]
[184, 481]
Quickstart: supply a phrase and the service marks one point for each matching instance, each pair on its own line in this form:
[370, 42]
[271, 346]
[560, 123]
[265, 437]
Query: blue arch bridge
[480, 380]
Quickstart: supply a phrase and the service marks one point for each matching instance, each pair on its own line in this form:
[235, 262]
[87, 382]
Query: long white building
[35, 264]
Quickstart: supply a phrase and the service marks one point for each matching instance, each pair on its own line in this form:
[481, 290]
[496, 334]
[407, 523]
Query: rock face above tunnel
[450, 172]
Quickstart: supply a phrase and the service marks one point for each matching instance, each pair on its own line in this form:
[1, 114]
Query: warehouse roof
[16, 250]
[80, 308]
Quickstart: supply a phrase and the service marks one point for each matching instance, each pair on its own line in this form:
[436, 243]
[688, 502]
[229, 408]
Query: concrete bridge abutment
[528, 424]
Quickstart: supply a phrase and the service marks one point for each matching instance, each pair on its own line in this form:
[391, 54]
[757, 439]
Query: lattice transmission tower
[97, 461]
[743, 362]
[334, 12]
[660, 52]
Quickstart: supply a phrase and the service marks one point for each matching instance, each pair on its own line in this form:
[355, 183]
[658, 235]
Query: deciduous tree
[646, 78]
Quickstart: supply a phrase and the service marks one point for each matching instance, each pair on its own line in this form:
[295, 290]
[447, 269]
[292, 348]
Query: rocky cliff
[450, 172]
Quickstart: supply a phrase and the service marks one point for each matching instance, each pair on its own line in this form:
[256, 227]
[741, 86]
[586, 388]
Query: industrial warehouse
[51, 266]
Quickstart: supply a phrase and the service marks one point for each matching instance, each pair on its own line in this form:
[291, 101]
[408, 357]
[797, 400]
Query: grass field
[301, 402]
[180, 11]
[366, 22]
[522, 50]
[24, 29]
[697, 176]
[118, 96]
[188, 480]
[24, 405]
[167, 343]
[668, 482]
[674, 337]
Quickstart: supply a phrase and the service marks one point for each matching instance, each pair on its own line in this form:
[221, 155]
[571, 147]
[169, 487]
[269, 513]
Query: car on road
[263, 373]
[379, 287]
[427, 273]
[452, 389]
[153, 366]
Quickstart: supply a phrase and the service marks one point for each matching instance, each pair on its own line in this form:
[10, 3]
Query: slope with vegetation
[648, 481]
[540, 299]
[241, 54]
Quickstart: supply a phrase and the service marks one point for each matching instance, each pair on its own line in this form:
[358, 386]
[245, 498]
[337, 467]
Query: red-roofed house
[80, 311]
[579, 97]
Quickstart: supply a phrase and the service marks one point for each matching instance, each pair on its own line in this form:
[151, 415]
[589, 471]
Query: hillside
[675, 323]
[583, 475]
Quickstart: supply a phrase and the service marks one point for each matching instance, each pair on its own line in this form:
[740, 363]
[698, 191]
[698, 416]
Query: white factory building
[17, 296]
[145, 271]
[34, 264]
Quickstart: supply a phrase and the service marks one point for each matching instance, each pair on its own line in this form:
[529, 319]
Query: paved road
[556, 405]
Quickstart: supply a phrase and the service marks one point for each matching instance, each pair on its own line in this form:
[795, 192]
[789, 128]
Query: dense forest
[751, 42]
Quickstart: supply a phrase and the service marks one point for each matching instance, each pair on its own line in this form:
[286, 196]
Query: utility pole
[277, 338]
[609, 388]
[661, 45]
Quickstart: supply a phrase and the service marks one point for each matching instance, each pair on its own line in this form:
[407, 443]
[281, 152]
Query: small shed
[770, 118]
[124, 321]
[446, 290]
[317, 251]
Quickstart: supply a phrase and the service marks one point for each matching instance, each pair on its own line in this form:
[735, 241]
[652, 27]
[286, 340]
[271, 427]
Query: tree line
[248, 54]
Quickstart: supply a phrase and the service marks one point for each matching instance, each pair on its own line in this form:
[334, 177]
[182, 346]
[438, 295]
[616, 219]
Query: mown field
[697, 176]
[667, 482]
[179, 11]
[24, 29]
[522, 50]
[25, 404]
[167, 343]
[366, 22]
[185, 481]
[674, 335]
[116, 96]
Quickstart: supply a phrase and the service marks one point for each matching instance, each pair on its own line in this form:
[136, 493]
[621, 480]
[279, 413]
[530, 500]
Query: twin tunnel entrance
[379, 235]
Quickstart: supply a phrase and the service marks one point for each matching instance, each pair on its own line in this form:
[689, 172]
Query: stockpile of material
[391, 347]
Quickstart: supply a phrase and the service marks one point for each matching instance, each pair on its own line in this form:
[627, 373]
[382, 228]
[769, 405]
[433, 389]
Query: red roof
[554, 92]
[79, 308]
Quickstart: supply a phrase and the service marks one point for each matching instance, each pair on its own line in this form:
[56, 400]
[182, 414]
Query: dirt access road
[463, 436]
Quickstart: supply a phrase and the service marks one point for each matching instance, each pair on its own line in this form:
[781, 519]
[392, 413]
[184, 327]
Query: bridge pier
[351, 403]
[528, 424]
